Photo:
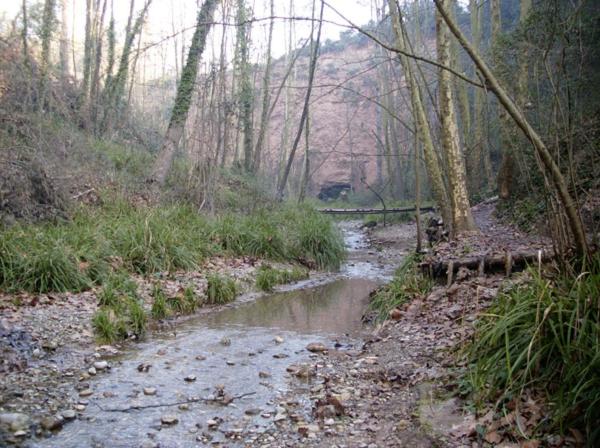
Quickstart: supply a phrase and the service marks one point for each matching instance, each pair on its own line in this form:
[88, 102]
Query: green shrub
[407, 283]
[544, 334]
[190, 299]
[220, 289]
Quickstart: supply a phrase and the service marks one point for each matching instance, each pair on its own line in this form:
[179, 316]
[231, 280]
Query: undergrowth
[268, 277]
[544, 335]
[408, 282]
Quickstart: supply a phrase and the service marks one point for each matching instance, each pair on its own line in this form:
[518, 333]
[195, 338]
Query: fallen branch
[176, 403]
[83, 193]
[509, 262]
[371, 211]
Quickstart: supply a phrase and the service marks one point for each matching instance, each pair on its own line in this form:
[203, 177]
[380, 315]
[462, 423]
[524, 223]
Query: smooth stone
[69, 414]
[101, 365]
[86, 393]
[264, 374]
[278, 340]
[169, 420]
[92, 371]
[149, 390]
[190, 378]
[316, 347]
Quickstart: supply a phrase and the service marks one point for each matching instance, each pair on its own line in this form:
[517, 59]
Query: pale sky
[168, 17]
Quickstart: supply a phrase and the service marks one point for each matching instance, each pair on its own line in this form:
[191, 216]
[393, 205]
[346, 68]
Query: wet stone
[101, 365]
[86, 393]
[69, 414]
[190, 378]
[52, 422]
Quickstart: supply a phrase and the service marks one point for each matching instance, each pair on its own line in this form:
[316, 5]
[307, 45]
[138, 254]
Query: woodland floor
[393, 389]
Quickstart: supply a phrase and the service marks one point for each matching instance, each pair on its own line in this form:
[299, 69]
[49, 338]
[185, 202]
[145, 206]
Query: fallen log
[371, 211]
[508, 262]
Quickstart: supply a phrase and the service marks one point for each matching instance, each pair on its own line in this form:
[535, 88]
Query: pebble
[253, 411]
[101, 365]
[225, 341]
[262, 374]
[211, 423]
[278, 340]
[316, 347]
[69, 414]
[200, 358]
[190, 378]
[79, 407]
[92, 371]
[230, 363]
[149, 390]
[184, 407]
[169, 419]
[86, 393]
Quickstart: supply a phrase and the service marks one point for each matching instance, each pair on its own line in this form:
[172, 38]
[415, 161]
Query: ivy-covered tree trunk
[48, 24]
[114, 90]
[183, 98]
[246, 95]
[462, 219]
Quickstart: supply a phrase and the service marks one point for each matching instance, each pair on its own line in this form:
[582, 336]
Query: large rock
[14, 421]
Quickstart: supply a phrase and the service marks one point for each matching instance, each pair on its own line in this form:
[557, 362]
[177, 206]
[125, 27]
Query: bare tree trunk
[264, 119]
[95, 81]
[422, 122]
[548, 165]
[311, 77]
[462, 219]
[183, 99]
[87, 56]
[64, 43]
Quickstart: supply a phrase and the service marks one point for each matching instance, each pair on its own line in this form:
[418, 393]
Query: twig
[83, 193]
[165, 405]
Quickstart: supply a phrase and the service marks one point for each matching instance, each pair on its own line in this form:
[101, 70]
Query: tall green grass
[76, 255]
[268, 277]
[408, 282]
[544, 335]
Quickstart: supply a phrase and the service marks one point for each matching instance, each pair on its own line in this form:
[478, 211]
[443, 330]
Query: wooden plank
[371, 211]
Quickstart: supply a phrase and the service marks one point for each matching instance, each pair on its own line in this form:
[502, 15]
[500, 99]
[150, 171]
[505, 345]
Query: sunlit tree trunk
[462, 219]
[183, 99]
[422, 122]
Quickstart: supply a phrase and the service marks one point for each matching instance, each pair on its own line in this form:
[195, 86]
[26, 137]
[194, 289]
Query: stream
[241, 352]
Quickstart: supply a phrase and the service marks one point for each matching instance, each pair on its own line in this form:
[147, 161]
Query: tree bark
[48, 18]
[462, 219]
[246, 95]
[264, 119]
[422, 122]
[64, 43]
[183, 99]
[548, 165]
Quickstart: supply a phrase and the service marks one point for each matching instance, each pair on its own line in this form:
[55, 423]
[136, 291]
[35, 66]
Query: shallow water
[227, 348]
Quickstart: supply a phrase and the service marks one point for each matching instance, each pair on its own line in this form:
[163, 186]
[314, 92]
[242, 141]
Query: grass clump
[408, 282]
[117, 286]
[544, 335]
[221, 289]
[268, 277]
[108, 327]
[159, 309]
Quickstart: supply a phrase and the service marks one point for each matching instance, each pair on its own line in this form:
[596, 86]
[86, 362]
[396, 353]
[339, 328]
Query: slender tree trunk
[422, 122]
[95, 81]
[311, 76]
[462, 219]
[183, 98]
[87, 56]
[48, 19]
[548, 165]
[246, 98]
[64, 43]
[264, 119]
[476, 155]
